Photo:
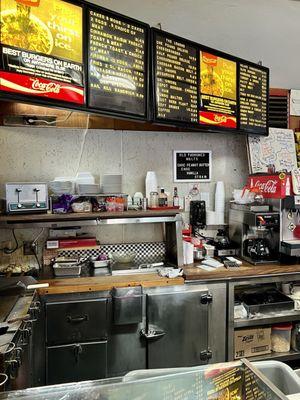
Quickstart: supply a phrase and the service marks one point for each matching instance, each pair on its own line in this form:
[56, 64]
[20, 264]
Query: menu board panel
[218, 91]
[41, 49]
[176, 80]
[253, 98]
[202, 88]
[117, 64]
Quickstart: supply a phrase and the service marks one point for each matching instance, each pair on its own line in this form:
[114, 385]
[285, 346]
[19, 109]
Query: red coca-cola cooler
[275, 186]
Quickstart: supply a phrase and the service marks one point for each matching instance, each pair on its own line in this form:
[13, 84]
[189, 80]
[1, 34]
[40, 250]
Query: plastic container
[296, 337]
[281, 338]
[150, 183]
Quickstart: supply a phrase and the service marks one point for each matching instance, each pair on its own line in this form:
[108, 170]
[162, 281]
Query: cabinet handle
[77, 319]
[77, 352]
[152, 334]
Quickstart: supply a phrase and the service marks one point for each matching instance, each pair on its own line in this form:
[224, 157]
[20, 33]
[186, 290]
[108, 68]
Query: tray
[66, 269]
[264, 301]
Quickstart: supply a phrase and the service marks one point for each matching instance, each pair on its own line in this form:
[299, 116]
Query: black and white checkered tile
[150, 251]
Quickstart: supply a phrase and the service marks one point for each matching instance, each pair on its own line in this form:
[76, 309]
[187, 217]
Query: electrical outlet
[28, 249]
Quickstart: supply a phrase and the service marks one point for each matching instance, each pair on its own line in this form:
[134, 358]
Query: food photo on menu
[218, 94]
[41, 46]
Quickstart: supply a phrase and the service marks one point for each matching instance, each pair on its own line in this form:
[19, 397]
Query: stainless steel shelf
[289, 356]
[87, 219]
[269, 320]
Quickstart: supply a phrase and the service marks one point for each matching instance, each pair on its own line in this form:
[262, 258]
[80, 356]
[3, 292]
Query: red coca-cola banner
[271, 186]
[217, 119]
[41, 87]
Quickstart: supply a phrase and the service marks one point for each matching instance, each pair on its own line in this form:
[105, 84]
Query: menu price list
[176, 102]
[253, 98]
[117, 65]
[176, 80]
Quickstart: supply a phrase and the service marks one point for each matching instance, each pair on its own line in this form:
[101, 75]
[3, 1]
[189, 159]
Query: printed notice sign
[192, 166]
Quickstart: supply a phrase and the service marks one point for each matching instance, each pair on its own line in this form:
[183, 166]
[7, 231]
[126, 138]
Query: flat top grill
[6, 305]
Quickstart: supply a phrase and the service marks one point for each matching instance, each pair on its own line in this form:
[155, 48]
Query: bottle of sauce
[175, 198]
[162, 198]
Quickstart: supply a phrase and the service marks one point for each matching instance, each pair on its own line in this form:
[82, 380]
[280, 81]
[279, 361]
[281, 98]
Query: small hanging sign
[192, 166]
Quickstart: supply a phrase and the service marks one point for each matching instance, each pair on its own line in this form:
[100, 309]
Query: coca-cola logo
[220, 118]
[269, 186]
[50, 87]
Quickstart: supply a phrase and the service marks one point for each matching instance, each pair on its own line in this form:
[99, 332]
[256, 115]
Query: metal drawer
[76, 321]
[76, 362]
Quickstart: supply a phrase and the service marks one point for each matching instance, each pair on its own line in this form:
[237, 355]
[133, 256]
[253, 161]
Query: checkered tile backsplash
[150, 251]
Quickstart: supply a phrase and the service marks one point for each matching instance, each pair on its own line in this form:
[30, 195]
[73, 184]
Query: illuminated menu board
[41, 51]
[218, 94]
[202, 88]
[253, 98]
[117, 76]
[176, 80]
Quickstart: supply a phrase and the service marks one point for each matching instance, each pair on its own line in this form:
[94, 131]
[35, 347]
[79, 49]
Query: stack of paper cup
[188, 252]
[210, 217]
[219, 203]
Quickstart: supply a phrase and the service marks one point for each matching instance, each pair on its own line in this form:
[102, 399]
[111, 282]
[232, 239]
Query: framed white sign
[192, 165]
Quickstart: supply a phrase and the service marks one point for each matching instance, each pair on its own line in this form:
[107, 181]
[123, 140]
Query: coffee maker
[256, 231]
[289, 209]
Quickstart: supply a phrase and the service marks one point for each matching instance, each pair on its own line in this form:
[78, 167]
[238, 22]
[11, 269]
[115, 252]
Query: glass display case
[238, 380]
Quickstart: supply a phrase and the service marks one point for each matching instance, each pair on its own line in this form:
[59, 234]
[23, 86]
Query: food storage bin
[281, 338]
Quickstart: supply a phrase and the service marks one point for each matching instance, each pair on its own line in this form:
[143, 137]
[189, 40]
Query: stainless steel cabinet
[76, 337]
[160, 327]
[75, 321]
[177, 327]
[76, 362]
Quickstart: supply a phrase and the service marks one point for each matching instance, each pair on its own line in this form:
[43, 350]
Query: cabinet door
[76, 321]
[76, 362]
[177, 329]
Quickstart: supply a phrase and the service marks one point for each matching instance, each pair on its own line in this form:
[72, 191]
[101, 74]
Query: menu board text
[117, 64]
[176, 72]
[253, 98]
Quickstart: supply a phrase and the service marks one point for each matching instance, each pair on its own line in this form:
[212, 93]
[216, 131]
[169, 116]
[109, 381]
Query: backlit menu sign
[41, 51]
[117, 64]
[253, 98]
[176, 80]
[218, 103]
[198, 87]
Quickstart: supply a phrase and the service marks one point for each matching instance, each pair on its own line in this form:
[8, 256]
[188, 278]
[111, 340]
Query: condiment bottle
[175, 198]
[162, 198]
[153, 200]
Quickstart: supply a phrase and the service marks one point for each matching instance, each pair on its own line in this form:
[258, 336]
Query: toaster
[26, 197]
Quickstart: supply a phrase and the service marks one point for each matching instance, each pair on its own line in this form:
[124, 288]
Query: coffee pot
[221, 240]
[257, 249]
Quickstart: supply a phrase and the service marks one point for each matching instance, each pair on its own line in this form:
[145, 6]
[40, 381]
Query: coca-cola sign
[41, 87]
[267, 187]
[270, 186]
[50, 87]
